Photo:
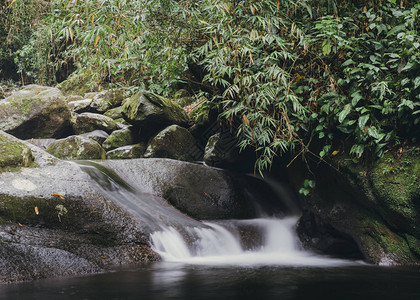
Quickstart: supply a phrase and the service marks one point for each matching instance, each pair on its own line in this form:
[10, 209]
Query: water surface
[185, 281]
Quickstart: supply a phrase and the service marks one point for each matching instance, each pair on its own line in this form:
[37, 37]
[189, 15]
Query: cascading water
[178, 238]
[220, 244]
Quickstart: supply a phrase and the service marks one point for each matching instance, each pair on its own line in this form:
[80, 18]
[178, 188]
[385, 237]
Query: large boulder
[87, 122]
[173, 142]
[35, 112]
[56, 221]
[375, 207]
[66, 219]
[75, 148]
[14, 154]
[152, 113]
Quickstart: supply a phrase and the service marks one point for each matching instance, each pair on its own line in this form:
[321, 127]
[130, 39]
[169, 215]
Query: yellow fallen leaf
[57, 195]
[36, 210]
[20, 224]
[335, 153]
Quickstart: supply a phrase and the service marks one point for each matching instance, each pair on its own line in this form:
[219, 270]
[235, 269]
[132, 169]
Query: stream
[228, 259]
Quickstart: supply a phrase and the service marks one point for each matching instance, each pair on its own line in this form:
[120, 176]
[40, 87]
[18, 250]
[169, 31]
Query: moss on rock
[152, 113]
[35, 112]
[14, 155]
[76, 147]
[78, 84]
[119, 138]
[173, 142]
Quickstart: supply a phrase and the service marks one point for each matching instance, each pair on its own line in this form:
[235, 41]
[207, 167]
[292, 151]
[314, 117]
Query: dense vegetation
[298, 75]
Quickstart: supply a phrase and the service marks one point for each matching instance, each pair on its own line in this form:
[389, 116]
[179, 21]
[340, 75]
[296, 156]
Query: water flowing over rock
[151, 113]
[173, 142]
[57, 215]
[35, 112]
[76, 147]
[87, 122]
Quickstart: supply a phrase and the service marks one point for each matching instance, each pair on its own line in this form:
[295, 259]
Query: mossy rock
[203, 114]
[78, 84]
[14, 155]
[152, 113]
[76, 148]
[173, 142]
[127, 152]
[106, 100]
[395, 184]
[114, 113]
[375, 208]
[119, 138]
[87, 122]
[35, 112]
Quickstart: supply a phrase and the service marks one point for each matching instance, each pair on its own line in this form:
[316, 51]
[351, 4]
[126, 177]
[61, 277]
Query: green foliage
[292, 72]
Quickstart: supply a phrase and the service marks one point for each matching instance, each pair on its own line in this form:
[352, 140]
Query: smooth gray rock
[80, 106]
[127, 152]
[41, 143]
[98, 136]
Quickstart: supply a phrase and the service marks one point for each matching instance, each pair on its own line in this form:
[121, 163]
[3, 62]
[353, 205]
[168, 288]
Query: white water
[221, 245]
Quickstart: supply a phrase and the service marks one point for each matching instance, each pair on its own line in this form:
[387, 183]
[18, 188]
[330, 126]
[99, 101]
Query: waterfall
[179, 238]
[220, 244]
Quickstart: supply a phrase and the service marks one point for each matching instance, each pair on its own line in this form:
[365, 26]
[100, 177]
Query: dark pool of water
[175, 281]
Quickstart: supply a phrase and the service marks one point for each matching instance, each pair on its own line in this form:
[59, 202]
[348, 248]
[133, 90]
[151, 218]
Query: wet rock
[76, 147]
[119, 138]
[199, 191]
[98, 136]
[173, 142]
[35, 112]
[106, 100]
[14, 154]
[152, 113]
[87, 122]
[127, 152]
[221, 150]
[374, 206]
[75, 229]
